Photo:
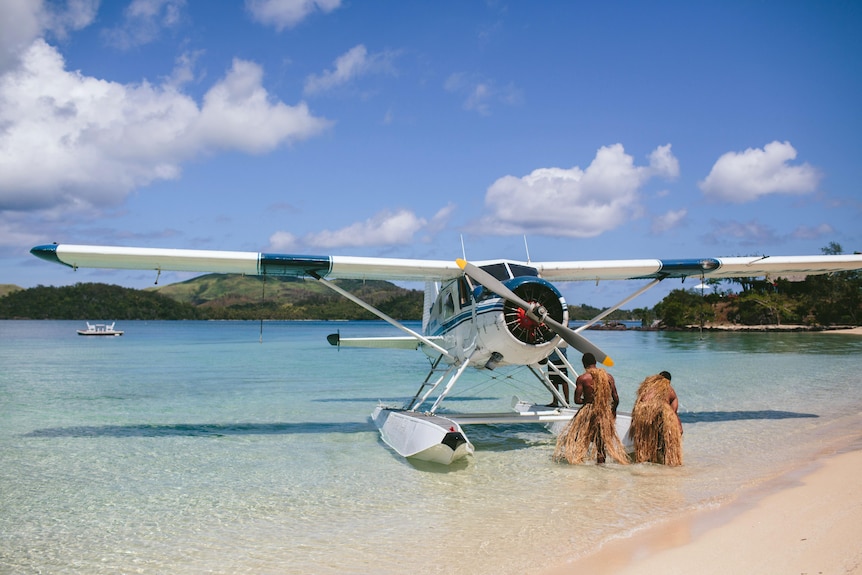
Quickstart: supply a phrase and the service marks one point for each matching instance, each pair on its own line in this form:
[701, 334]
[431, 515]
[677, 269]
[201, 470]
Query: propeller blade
[571, 337]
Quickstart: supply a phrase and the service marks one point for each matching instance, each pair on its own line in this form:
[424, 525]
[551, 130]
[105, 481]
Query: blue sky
[597, 130]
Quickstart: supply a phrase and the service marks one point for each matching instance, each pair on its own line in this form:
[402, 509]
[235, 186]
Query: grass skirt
[592, 431]
[655, 429]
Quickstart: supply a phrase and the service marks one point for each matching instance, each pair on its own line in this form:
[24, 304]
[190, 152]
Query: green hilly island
[213, 296]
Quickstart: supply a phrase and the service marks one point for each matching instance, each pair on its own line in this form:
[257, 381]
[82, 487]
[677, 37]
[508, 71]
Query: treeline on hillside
[85, 301]
[586, 312]
[830, 299]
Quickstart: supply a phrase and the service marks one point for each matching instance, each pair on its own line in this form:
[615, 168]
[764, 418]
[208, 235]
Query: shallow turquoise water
[193, 447]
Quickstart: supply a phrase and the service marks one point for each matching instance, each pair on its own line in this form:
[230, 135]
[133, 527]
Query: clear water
[193, 447]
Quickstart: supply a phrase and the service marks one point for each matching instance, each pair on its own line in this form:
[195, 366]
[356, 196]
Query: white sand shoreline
[782, 327]
[807, 521]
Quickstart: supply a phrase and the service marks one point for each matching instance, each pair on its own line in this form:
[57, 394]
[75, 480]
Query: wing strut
[615, 307]
[449, 384]
[380, 314]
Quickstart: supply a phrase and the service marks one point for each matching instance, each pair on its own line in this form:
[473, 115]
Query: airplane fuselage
[475, 325]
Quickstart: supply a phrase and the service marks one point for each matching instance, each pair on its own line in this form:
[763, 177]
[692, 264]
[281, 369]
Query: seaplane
[480, 315]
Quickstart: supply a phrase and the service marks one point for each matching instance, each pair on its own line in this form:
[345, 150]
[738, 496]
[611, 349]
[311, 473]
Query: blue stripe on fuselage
[490, 305]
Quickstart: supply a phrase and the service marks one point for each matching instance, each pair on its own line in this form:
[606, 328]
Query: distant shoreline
[841, 329]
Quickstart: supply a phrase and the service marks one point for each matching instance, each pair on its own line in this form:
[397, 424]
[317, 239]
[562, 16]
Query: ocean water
[200, 447]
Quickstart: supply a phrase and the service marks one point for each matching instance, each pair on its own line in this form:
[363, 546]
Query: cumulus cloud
[287, 13]
[84, 142]
[574, 202]
[354, 63]
[23, 21]
[384, 229]
[746, 176]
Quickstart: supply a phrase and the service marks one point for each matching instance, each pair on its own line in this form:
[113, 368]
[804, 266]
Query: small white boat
[100, 329]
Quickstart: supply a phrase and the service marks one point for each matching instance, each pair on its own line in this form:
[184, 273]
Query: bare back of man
[585, 391]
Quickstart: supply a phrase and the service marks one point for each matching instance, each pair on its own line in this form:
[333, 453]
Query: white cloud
[19, 26]
[384, 229]
[668, 221]
[746, 176]
[283, 242]
[237, 113]
[71, 15]
[23, 21]
[663, 163]
[440, 219]
[353, 64]
[574, 202]
[83, 142]
[143, 20]
[287, 13]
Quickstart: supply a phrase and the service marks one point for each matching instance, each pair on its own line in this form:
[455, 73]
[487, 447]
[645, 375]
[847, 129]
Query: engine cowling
[533, 290]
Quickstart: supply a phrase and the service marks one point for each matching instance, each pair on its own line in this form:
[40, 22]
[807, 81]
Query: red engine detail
[524, 328]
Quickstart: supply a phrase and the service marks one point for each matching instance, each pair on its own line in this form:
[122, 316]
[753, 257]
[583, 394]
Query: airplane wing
[249, 263]
[396, 269]
[706, 267]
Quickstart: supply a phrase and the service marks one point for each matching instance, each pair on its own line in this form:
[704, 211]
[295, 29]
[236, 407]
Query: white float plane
[481, 315]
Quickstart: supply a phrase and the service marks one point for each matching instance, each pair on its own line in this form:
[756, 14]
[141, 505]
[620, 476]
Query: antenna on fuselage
[526, 248]
[463, 250]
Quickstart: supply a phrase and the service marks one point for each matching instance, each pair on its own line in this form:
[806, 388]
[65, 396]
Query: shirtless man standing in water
[585, 393]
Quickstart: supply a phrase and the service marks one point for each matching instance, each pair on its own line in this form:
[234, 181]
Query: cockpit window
[520, 271]
[463, 292]
[499, 271]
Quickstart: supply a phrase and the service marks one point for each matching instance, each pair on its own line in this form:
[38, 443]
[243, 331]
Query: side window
[448, 305]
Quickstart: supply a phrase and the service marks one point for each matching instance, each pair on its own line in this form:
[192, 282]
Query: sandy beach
[807, 521]
[852, 330]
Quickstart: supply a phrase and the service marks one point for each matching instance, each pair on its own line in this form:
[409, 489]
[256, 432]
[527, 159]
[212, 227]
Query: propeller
[534, 311]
